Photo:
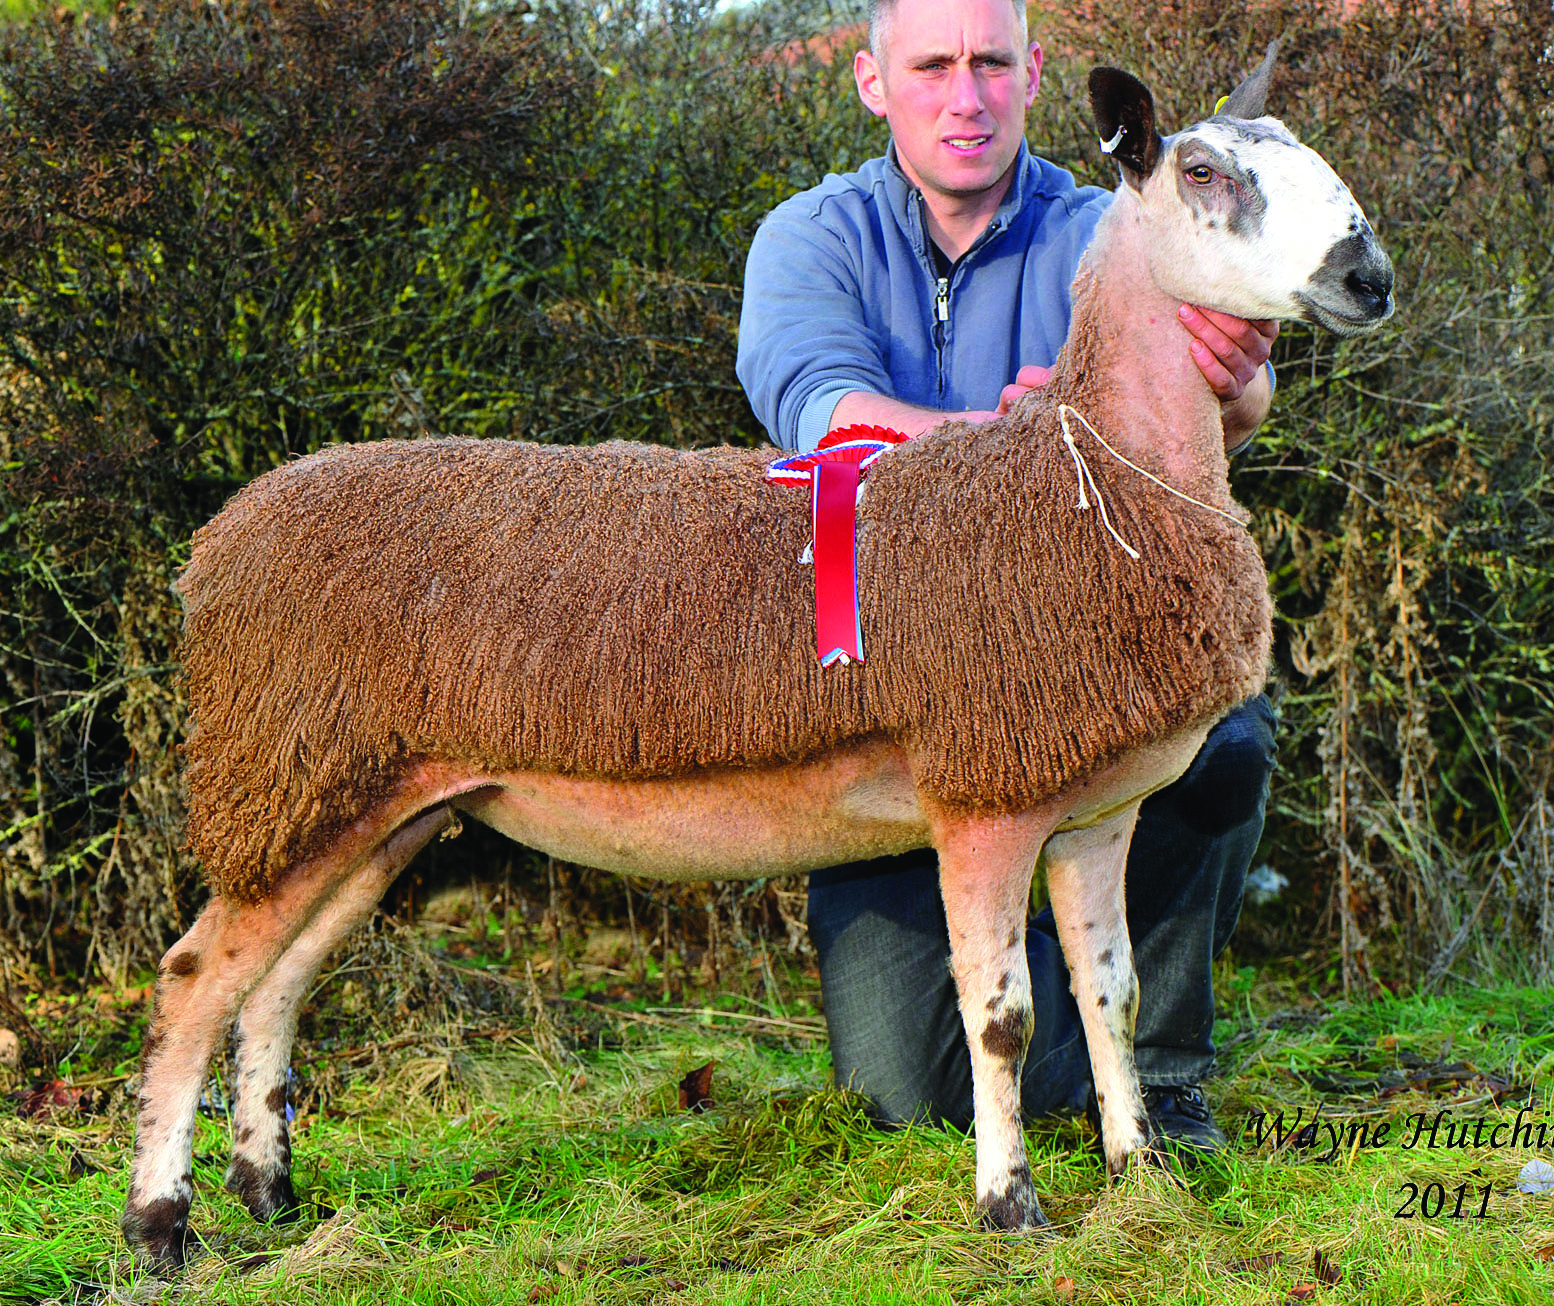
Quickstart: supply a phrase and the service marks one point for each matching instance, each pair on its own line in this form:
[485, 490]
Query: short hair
[880, 12]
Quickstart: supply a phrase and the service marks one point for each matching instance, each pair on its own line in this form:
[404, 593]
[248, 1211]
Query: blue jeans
[890, 1004]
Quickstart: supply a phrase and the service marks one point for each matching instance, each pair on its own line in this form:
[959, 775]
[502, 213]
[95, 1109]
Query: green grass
[473, 1170]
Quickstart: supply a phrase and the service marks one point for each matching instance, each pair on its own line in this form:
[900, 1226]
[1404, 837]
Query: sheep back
[623, 610]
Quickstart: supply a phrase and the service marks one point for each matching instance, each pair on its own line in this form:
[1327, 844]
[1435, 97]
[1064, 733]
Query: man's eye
[1202, 174]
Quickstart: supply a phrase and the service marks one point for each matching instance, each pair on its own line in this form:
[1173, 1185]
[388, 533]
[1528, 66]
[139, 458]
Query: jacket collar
[906, 200]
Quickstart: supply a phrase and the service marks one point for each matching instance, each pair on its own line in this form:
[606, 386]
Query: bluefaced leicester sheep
[607, 654]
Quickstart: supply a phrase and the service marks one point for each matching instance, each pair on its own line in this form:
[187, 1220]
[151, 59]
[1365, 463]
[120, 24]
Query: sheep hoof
[158, 1233]
[1015, 1210]
[268, 1195]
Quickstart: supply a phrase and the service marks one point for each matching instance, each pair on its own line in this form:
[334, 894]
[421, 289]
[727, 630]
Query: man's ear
[1033, 63]
[1247, 100]
[1125, 117]
[871, 82]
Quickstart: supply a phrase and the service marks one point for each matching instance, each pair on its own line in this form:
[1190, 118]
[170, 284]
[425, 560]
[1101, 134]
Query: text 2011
[1434, 1202]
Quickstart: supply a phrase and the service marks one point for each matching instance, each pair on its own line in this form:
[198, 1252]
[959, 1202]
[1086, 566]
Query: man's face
[954, 81]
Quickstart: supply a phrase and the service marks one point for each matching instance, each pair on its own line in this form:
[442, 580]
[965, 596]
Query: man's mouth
[966, 144]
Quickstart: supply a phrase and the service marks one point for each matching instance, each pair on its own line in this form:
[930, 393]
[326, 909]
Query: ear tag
[1108, 146]
[1220, 103]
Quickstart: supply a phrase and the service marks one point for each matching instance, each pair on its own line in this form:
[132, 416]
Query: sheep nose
[1371, 285]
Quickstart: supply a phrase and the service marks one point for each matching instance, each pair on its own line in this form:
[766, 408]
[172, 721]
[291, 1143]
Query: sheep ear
[1246, 101]
[1125, 117]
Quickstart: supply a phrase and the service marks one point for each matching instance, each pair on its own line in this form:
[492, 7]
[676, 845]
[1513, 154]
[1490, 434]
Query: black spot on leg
[1014, 938]
[244, 1134]
[1089, 925]
[275, 1100]
[1006, 1037]
[1105, 959]
[1102, 1001]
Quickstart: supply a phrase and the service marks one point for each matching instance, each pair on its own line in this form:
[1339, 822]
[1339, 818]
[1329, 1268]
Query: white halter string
[1082, 474]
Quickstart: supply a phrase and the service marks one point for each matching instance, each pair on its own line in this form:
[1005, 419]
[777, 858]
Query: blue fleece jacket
[841, 294]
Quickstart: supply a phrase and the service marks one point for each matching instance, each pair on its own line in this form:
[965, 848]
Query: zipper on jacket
[941, 314]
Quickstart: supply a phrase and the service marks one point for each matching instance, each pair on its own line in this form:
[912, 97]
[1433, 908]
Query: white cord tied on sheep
[382, 638]
[1082, 473]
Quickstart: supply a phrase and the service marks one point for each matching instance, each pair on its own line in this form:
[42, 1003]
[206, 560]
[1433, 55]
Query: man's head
[953, 78]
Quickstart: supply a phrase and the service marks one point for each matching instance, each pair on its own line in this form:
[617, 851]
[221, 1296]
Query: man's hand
[1028, 378]
[1229, 351]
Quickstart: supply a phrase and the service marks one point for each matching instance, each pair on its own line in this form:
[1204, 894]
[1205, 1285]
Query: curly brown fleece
[633, 611]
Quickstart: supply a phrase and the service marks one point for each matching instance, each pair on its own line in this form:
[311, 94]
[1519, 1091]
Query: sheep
[606, 653]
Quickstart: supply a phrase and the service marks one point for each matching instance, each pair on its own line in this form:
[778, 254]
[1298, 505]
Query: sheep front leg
[985, 870]
[1085, 883]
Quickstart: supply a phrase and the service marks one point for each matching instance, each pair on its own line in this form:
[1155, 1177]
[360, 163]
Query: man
[934, 282]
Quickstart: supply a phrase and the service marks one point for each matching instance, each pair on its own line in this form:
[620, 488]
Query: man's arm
[803, 340]
[881, 410]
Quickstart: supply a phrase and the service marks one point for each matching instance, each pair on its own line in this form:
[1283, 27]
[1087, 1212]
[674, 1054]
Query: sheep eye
[1202, 174]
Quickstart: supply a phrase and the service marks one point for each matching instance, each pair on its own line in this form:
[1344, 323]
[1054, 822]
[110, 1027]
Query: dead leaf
[1545, 1253]
[1253, 1264]
[696, 1088]
[1302, 1292]
[52, 1099]
[543, 1291]
[1064, 1287]
[1326, 1269]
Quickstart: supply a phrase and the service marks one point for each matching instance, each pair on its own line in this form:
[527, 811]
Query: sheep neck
[1127, 368]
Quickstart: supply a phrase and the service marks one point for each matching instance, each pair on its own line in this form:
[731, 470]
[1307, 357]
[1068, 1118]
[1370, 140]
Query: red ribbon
[834, 471]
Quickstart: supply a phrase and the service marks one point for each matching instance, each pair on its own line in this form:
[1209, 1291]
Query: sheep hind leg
[985, 873]
[260, 1173]
[202, 982]
[1085, 883]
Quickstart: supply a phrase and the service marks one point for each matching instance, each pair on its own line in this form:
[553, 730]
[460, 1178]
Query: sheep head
[1241, 216]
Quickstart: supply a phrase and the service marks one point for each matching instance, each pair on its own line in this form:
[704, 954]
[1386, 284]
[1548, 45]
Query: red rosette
[858, 431]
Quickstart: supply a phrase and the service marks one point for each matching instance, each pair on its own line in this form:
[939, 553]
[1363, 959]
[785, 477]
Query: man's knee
[1227, 784]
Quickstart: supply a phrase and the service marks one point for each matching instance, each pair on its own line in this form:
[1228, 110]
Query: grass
[487, 1161]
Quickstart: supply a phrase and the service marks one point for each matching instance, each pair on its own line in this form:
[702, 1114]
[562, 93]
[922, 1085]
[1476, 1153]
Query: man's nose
[965, 92]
